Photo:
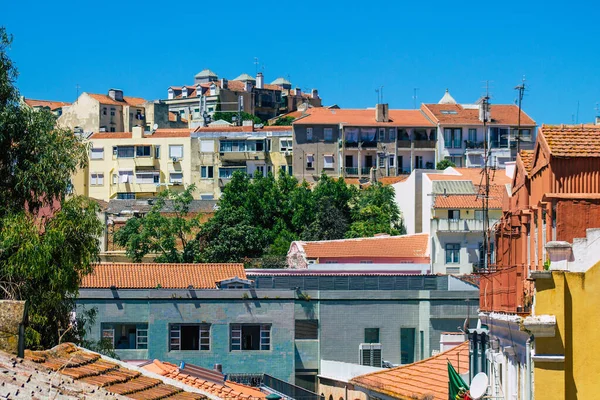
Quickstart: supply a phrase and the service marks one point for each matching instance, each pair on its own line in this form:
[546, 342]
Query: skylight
[449, 112]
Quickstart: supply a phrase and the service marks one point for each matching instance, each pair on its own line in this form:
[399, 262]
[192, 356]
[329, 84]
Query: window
[156, 151]
[472, 135]
[479, 215]
[407, 345]
[112, 129]
[381, 161]
[189, 337]
[309, 134]
[125, 176]
[392, 134]
[207, 146]
[392, 158]
[371, 335]
[176, 178]
[250, 337]
[97, 179]
[328, 134]
[419, 162]
[285, 145]
[115, 150]
[310, 159]
[453, 138]
[381, 134]
[206, 171]
[290, 170]
[260, 170]
[328, 161]
[234, 146]
[366, 262]
[115, 179]
[125, 151]
[143, 151]
[453, 214]
[227, 172]
[283, 169]
[112, 112]
[176, 151]
[457, 160]
[498, 137]
[306, 329]
[126, 336]
[103, 110]
[452, 253]
[126, 196]
[196, 113]
[147, 177]
[97, 153]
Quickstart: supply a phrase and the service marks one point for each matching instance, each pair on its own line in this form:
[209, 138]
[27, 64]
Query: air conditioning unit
[177, 183]
[175, 159]
[369, 354]
[288, 153]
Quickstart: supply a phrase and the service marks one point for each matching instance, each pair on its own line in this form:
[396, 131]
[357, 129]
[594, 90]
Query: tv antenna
[415, 90]
[379, 92]
[521, 91]
[256, 65]
[77, 87]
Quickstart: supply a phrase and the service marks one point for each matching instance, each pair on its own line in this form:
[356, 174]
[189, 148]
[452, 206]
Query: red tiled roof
[111, 135]
[228, 390]
[428, 377]
[89, 368]
[473, 201]
[475, 175]
[52, 105]
[159, 133]
[267, 128]
[526, 157]
[173, 117]
[390, 180]
[501, 114]
[405, 246]
[571, 140]
[352, 117]
[127, 100]
[168, 276]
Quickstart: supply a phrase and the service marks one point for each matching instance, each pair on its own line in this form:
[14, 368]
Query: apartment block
[363, 144]
[220, 150]
[137, 164]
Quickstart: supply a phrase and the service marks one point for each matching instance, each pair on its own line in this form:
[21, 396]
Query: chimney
[247, 126]
[382, 113]
[483, 114]
[298, 92]
[247, 86]
[224, 83]
[115, 94]
[218, 368]
[314, 94]
[260, 80]
[136, 132]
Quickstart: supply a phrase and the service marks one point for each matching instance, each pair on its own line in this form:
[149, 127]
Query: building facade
[366, 144]
[278, 322]
[55, 107]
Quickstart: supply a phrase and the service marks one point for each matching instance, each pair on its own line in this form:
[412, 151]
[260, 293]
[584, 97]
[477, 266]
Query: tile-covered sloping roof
[267, 128]
[572, 140]
[475, 175]
[167, 276]
[428, 377]
[354, 117]
[390, 180]
[89, 368]
[501, 114]
[405, 246]
[472, 201]
[159, 133]
[127, 100]
[52, 105]
[526, 157]
[227, 390]
[452, 187]
[111, 135]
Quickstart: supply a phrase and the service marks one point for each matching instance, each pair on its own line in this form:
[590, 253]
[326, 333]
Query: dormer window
[235, 283]
[171, 94]
[213, 90]
[184, 92]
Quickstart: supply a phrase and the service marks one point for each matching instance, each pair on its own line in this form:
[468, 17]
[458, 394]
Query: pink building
[409, 253]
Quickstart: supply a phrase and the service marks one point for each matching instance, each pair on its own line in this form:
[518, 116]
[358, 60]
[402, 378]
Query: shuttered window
[307, 329]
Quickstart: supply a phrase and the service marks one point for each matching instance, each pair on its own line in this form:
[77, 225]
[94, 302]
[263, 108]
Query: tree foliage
[48, 240]
[284, 121]
[444, 164]
[167, 235]
[228, 116]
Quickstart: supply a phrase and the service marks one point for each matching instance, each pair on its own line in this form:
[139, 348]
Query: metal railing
[269, 382]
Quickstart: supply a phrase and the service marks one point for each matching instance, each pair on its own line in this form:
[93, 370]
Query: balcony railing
[353, 171]
[424, 144]
[269, 382]
[404, 144]
[460, 225]
[242, 155]
[470, 144]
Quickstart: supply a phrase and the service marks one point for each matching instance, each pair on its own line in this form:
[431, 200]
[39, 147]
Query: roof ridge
[362, 238]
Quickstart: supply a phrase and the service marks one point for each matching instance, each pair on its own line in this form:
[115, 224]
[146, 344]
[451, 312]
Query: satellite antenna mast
[377, 91]
[521, 89]
[77, 87]
[415, 98]
[381, 94]
[256, 65]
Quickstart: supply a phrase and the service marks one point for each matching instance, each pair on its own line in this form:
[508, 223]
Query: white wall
[405, 199]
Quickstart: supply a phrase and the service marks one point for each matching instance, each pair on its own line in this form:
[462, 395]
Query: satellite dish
[479, 386]
[155, 126]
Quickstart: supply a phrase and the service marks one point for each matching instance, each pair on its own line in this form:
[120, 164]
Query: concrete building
[277, 322]
[546, 222]
[133, 165]
[370, 144]
[55, 107]
[461, 131]
[114, 112]
[209, 93]
[220, 150]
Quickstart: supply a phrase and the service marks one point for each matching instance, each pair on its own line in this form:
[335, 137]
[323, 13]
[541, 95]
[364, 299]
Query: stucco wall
[83, 113]
[318, 147]
[11, 315]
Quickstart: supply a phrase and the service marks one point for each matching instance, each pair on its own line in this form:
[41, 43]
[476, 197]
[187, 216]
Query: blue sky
[346, 49]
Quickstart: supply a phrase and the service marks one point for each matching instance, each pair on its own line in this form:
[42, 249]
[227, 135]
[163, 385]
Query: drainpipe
[528, 369]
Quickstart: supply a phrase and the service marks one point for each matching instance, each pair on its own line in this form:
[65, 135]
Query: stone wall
[11, 315]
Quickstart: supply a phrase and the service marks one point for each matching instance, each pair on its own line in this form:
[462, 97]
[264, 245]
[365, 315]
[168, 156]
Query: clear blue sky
[346, 49]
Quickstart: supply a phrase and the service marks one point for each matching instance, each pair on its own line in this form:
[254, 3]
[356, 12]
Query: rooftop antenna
[381, 93]
[256, 65]
[521, 90]
[577, 115]
[415, 90]
[77, 87]
[485, 200]
[377, 91]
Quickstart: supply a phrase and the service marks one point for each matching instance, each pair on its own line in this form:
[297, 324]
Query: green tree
[167, 233]
[330, 222]
[445, 163]
[228, 116]
[374, 210]
[284, 121]
[47, 239]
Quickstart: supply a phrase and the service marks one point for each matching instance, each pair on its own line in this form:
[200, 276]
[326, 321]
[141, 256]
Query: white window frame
[204, 169]
[129, 174]
[203, 337]
[285, 145]
[381, 137]
[141, 338]
[97, 179]
[326, 164]
[147, 177]
[310, 161]
[381, 161]
[392, 134]
[391, 161]
[176, 180]
[173, 147]
[95, 151]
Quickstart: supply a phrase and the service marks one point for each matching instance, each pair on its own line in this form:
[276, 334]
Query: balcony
[424, 144]
[470, 144]
[145, 162]
[134, 187]
[353, 171]
[459, 225]
[242, 155]
[404, 144]
[506, 290]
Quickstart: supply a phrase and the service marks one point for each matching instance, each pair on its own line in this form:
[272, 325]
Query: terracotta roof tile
[475, 175]
[408, 246]
[572, 140]
[111, 135]
[53, 105]
[151, 275]
[89, 368]
[390, 180]
[352, 117]
[127, 100]
[472, 201]
[159, 133]
[526, 157]
[501, 114]
[428, 377]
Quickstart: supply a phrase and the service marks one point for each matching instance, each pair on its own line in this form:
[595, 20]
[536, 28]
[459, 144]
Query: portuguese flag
[457, 388]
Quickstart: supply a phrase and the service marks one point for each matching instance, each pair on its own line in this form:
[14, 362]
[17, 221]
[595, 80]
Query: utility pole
[521, 90]
[487, 151]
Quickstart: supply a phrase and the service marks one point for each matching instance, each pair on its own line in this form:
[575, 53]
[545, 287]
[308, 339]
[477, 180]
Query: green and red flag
[457, 388]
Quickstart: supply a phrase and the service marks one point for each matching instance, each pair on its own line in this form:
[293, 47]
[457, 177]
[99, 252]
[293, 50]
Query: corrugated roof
[89, 368]
[405, 246]
[153, 275]
[354, 117]
[571, 140]
[428, 377]
[453, 187]
[118, 206]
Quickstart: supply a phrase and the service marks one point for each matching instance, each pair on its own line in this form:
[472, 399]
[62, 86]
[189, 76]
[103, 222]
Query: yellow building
[564, 322]
[137, 164]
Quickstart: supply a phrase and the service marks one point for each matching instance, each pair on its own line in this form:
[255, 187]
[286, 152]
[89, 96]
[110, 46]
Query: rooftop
[167, 276]
[281, 81]
[86, 372]
[205, 73]
[471, 201]
[52, 105]
[428, 377]
[159, 133]
[127, 101]
[364, 117]
[475, 175]
[501, 114]
[526, 157]
[118, 206]
[571, 140]
[244, 77]
[405, 246]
